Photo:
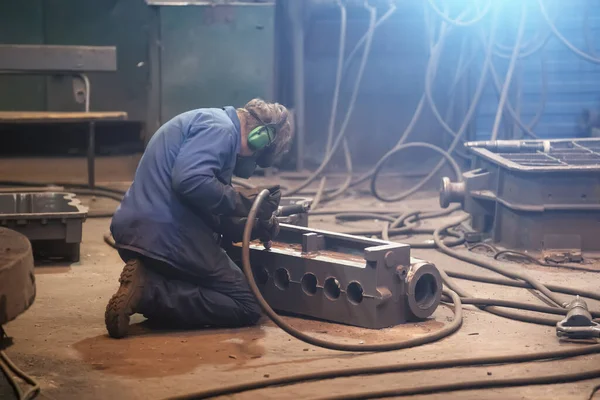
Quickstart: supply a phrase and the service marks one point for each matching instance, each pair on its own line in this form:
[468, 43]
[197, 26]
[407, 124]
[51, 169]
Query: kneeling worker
[181, 205]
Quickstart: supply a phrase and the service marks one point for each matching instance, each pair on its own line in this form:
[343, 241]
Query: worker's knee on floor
[254, 317]
[252, 314]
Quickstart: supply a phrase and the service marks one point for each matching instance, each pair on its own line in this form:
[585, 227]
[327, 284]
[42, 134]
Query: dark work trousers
[176, 298]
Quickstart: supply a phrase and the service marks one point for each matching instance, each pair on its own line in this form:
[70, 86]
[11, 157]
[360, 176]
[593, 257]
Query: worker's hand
[246, 198]
[232, 229]
[267, 230]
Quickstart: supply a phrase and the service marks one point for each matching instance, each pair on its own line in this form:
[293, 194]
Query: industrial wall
[122, 23]
[554, 82]
[173, 58]
[201, 55]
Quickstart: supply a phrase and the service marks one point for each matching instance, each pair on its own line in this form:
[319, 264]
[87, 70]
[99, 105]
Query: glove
[246, 198]
[232, 229]
[267, 230]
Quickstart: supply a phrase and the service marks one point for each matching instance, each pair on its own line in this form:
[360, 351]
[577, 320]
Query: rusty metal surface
[342, 278]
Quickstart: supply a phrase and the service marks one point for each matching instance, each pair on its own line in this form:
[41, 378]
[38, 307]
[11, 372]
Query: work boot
[125, 302]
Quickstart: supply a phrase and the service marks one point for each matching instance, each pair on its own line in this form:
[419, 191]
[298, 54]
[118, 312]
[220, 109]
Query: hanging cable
[432, 64]
[446, 158]
[587, 32]
[353, 97]
[363, 39]
[563, 39]
[509, 73]
[330, 131]
[459, 134]
[458, 21]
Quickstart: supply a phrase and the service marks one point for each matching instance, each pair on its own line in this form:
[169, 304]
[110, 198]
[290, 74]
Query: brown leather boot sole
[124, 303]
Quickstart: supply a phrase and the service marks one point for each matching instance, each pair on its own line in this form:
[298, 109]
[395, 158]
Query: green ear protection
[263, 135]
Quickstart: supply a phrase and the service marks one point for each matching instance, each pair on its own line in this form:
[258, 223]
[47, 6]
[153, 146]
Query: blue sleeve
[205, 151]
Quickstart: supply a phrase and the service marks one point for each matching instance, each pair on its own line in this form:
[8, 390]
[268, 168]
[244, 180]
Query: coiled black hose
[395, 368]
[492, 266]
[446, 155]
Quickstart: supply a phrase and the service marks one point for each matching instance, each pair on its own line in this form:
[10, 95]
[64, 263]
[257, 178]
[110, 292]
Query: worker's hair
[271, 113]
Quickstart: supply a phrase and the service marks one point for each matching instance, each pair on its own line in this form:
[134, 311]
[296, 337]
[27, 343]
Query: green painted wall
[209, 56]
[22, 22]
[215, 56]
[121, 23]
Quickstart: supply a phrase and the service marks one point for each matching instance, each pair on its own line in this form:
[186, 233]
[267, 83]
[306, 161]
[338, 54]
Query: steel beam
[46, 58]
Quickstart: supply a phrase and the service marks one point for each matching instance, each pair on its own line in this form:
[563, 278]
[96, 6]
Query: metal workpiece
[342, 278]
[294, 210]
[451, 192]
[578, 323]
[52, 221]
[536, 200]
[511, 146]
[424, 289]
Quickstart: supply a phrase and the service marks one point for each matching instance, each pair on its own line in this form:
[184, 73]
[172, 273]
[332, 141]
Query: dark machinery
[536, 195]
[342, 278]
[52, 221]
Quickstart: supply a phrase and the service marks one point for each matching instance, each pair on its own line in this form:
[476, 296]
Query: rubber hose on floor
[520, 284]
[510, 273]
[471, 385]
[9, 368]
[392, 368]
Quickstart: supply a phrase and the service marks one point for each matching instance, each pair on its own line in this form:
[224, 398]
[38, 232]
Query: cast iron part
[533, 195]
[342, 278]
[52, 221]
[578, 323]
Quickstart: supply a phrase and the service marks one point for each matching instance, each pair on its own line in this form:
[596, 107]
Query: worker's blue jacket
[183, 176]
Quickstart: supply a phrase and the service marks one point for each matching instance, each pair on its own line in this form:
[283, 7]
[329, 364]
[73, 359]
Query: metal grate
[562, 153]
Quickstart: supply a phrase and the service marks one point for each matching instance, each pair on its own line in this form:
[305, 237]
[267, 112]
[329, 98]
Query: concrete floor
[62, 341]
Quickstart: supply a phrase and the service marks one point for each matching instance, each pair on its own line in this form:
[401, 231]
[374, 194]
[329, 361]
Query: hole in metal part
[282, 278]
[309, 284]
[261, 275]
[425, 291]
[332, 288]
[354, 291]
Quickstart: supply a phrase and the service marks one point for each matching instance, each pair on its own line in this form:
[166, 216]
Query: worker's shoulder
[213, 117]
